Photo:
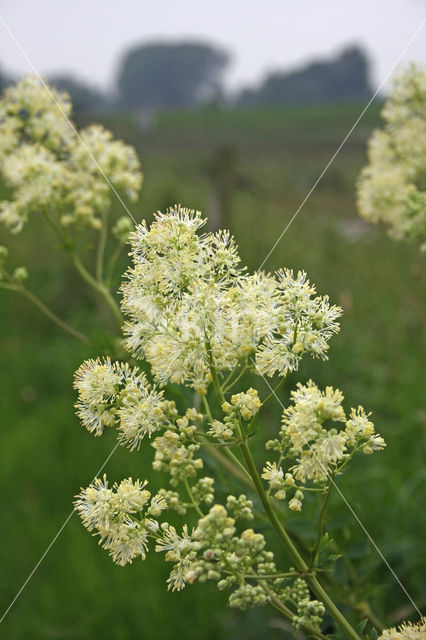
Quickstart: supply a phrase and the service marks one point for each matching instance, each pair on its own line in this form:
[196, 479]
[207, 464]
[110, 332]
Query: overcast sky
[87, 37]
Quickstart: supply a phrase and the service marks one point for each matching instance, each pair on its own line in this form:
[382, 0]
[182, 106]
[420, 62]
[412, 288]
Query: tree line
[184, 75]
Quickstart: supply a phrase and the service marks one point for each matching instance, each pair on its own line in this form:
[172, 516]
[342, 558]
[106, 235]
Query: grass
[377, 360]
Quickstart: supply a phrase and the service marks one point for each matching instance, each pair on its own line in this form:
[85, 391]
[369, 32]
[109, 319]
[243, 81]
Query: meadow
[377, 360]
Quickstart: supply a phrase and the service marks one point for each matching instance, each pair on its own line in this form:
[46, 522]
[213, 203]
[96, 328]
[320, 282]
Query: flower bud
[20, 274]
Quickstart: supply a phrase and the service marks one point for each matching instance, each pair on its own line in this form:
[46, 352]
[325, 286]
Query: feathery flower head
[318, 446]
[110, 512]
[114, 394]
[190, 306]
[407, 631]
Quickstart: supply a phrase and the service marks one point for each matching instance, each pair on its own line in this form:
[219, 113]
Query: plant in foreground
[201, 321]
[392, 187]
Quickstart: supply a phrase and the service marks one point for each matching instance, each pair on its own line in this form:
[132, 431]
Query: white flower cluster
[392, 188]
[201, 320]
[114, 394]
[122, 516]
[306, 437]
[407, 631]
[191, 306]
[48, 168]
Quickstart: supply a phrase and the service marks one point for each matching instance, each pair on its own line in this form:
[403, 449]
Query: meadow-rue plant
[201, 320]
[201, 337]
[64, 177]
[392, 187]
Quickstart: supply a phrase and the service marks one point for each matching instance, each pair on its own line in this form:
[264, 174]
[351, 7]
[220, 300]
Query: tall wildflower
[200, 320]
[392, 188]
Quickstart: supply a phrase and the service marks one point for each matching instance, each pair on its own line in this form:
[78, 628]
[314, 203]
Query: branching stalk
[98, 286]
[101, 248]
[320, 526]
[20, 288]
[291, 549]
[192, 499]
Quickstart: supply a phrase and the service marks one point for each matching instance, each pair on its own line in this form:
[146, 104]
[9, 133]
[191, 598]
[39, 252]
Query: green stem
[233, 464]
[101, 248]
[271, 576]
[320, 525]
[113, 262]
[207, 408]
[274, 391]
[191, 497]
[98, 286]
[293, 552]
[228, 386]
[52, 316]
[8, 287]
[84, 273]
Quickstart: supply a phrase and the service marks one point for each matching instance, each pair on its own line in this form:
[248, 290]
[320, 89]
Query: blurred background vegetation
[248, 169]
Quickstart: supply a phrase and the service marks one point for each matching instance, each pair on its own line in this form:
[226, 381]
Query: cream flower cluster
[122, 516]
[318, 449]
[190, 305]
[114, 394]
[125, 517]
[392, 187]
[407, 631]
[200, 320]
[48, 168]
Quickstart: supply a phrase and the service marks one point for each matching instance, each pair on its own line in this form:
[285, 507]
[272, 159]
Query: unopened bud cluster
[314, 450]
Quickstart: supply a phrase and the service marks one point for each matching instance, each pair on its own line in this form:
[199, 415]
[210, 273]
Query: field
[377, 360]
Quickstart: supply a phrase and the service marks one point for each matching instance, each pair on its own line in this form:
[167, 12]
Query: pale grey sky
[87, 37]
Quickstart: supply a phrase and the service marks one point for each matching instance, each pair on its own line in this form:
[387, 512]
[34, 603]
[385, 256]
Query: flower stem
[95, 283]
[98, 286]
[274, 391]
[20, 288]
[101, 248]
[233, 464]
[229, 385]
[192, 499]
[320, 525]
[293, 552]
[113, 262]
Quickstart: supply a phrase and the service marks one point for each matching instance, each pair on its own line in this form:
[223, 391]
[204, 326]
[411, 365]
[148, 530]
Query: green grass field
[377, 360]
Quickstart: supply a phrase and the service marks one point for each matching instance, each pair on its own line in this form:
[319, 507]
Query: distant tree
[85, 98]
[162, 75]
[340, 80]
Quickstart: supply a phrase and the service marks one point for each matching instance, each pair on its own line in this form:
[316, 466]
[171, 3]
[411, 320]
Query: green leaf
[360, 628]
